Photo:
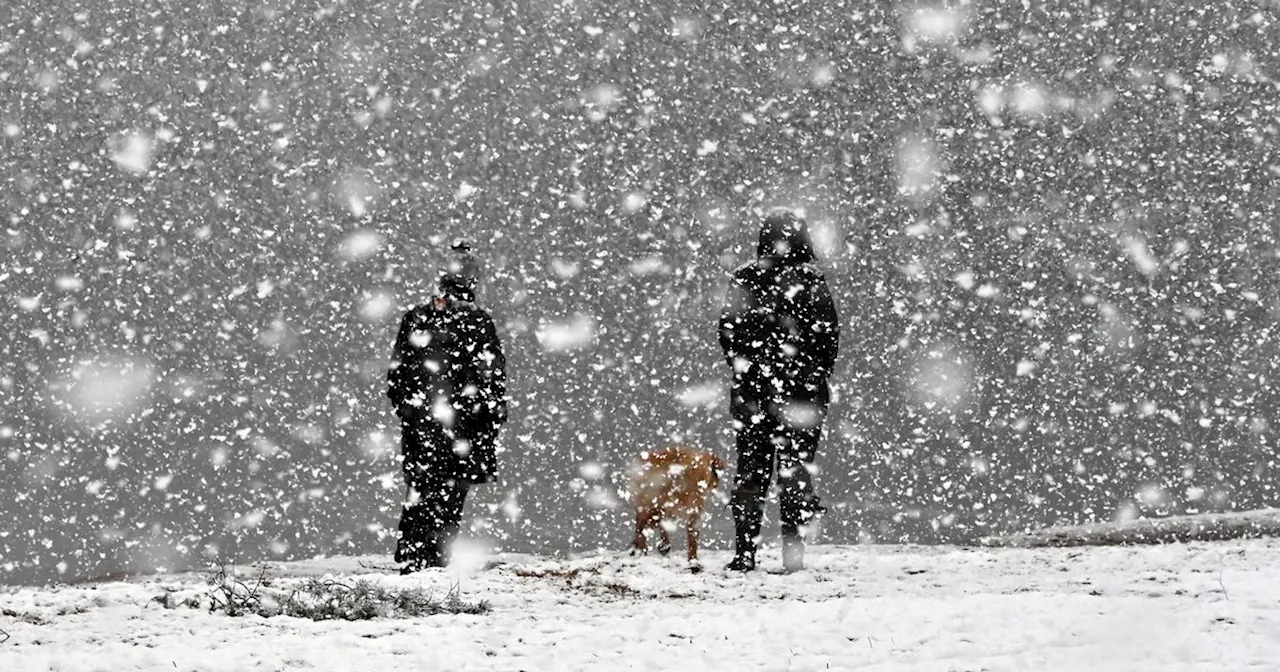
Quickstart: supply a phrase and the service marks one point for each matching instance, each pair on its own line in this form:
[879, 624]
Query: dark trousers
[769, 449]
[432, 513]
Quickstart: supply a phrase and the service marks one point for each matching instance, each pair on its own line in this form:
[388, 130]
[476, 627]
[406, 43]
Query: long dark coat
[779, 329]
[448, 383]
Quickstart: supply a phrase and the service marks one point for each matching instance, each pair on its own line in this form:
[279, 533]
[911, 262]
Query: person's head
[785, 237]
[461, 276]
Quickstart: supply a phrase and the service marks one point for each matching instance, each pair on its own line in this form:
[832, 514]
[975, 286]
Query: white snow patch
[592, 471]
[265, 447]
[377, 306]
[600, 100]
[936, 24]
[105, 388]
[376, 445]
[649, 266]
[511, 507]
[360, 244]
[1115, 329]
[943, 379]
[574, 334]
[826, 237]
[1136, 247]
[1029, 100]
[357, 190]
[126, 220]
[69, 283]
[1152, 495]
[918, 230]
[308, 432]
[987, 290]
[247, 521]
[633, 201]
[469, 555]
[991, 99]
[465, 191]
[1126, 513]
[686, 28]
[600, 497]
[132, 151]
[703, 395]
[918, 166]
[801, 415]
[822, 74]
[565, 269]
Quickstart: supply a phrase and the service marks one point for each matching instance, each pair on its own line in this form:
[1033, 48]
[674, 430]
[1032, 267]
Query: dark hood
[785, 237]
[457, 286]
[462, 273]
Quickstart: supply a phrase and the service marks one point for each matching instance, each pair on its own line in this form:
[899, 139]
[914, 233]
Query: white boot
[792, 554]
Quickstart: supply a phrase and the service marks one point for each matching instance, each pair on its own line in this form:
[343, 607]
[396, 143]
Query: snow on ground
[1203, 526]
[1198, 606]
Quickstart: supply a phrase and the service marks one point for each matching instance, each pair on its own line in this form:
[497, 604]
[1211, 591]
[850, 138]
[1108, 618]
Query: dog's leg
[691, 541]
[664, 538]
[640, 545]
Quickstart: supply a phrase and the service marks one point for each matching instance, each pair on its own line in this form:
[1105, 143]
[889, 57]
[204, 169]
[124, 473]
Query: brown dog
[672, 484]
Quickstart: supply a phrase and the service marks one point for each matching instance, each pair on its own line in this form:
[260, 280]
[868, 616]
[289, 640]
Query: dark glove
[742, 409]
[410, 413]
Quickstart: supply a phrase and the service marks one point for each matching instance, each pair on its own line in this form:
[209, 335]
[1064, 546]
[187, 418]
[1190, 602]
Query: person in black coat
[447, 381]
[780, 335]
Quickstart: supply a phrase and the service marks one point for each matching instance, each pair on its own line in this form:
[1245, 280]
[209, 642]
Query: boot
[792, 554]
[747, 516]
[743, 561]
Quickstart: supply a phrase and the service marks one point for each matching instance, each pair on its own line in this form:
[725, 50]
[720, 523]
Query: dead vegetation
[35, 618]
[318, 599]
[582, 579]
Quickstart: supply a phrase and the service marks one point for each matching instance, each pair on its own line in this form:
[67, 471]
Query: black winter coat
[779, 329]
[448, 370]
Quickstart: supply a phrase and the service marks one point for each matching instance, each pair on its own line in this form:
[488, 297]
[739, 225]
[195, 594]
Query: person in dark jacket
[780, 335]
[447, 381]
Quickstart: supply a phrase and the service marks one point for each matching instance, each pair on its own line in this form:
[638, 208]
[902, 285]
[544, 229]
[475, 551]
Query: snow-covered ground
[1203, 526]
[1198, 606]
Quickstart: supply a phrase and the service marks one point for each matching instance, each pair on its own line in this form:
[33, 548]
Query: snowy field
[1198, 606]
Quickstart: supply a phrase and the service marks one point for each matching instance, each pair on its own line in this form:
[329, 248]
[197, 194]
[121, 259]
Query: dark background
[1051, 232]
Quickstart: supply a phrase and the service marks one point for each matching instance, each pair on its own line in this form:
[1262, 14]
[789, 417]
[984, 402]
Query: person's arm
[826, 327]
[739, 338]
[492, 364]
[737, 302]
[396, 372]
